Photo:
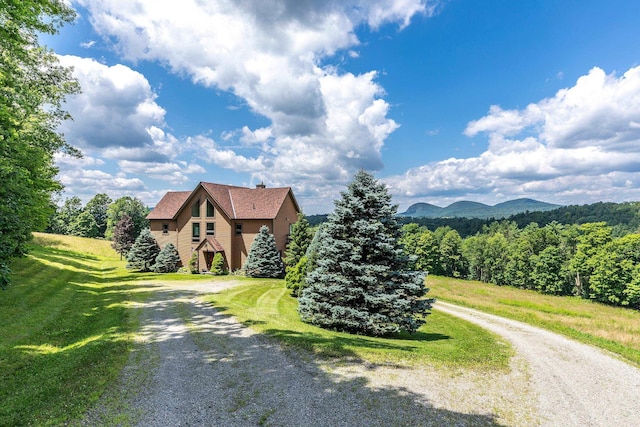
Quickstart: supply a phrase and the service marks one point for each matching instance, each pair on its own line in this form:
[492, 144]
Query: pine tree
[263, 259]
[143, 253]
[300, 239]
[168, 260]
[123, 235]
[217, 265]
[361, 283]
[296, 275]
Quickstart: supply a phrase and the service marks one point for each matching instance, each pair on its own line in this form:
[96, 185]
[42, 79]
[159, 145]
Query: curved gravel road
[577, 385]
[196, 367]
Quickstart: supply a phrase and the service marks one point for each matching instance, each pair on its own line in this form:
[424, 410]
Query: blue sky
[442, 100]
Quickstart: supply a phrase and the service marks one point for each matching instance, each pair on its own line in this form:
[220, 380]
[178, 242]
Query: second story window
[238, 229]
[195, 232]
[195, 209]
[211, 212]
[165, 228]
[211, 229]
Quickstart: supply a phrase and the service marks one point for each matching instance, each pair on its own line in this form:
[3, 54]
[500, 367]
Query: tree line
[587, 260]
[98, 218]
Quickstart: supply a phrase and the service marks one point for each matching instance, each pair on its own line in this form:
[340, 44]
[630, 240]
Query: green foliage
[312, 249]
[98, 207]
[168, 260]
[123, 235]
[217, 265]
[193, 263]
[33, 87]
[614, 268]
[143, 253]
[131, 206]
[361, 283]
[299, 241]
[84, 225]
[263, 259]
[295, 278]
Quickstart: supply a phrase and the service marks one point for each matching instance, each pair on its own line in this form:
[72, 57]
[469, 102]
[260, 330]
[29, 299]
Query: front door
[208, 257]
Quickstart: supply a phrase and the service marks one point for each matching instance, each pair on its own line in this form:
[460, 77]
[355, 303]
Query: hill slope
[467, 209]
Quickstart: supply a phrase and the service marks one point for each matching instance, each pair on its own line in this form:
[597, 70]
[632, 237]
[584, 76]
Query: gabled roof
[235, 202]
[210, 241]
[169, 205]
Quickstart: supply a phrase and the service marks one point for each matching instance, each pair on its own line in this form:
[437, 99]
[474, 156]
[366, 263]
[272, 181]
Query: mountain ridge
[469, 209]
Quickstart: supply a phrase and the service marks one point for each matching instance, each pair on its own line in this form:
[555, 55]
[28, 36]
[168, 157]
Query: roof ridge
[233, 207]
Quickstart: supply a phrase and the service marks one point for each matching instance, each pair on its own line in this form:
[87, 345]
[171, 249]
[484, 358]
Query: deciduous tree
[33, 87]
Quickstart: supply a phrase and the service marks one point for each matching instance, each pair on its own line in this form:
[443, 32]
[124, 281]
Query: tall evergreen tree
[144, 252]
[263, 259]
[123, 235]
[299, 241]
[362, 283]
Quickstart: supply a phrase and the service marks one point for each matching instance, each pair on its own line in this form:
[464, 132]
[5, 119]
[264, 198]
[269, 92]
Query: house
[222, 218]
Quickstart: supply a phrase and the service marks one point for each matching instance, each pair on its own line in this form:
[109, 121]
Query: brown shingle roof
[212, 242]
[169, 205]
[257, 203]
[235, 202]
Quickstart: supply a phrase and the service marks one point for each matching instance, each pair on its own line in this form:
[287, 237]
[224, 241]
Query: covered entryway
[207, 249]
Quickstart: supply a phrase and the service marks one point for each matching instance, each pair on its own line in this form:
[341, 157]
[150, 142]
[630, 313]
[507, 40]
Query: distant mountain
[466, 209]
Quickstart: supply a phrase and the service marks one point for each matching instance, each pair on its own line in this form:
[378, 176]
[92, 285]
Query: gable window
[165, 228]
[211, 212]
[195, 209]
[211, 229]
[195, 232]
[238, 229]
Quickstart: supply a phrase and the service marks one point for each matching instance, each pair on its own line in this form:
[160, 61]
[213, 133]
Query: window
[195, 232]
[211, 229]
[238, 229]
[195, 209]
[211, 212]
[165, 228]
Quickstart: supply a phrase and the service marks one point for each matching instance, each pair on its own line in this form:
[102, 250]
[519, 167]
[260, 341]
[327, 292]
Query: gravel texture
[196, 367]
[576, 384]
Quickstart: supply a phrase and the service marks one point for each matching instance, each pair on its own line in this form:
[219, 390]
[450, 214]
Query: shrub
[193, 263]
[167, 260]
[295, 278]
[217, 265]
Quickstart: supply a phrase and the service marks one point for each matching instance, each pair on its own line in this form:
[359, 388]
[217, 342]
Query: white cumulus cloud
[580, 146]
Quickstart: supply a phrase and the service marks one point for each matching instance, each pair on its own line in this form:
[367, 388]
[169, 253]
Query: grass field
[612, 328]
[66, 326]
[68, 322]
[443, 341]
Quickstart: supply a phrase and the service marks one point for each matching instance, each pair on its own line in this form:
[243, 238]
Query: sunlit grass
[266, 306]
[613, 328]
[66, 329]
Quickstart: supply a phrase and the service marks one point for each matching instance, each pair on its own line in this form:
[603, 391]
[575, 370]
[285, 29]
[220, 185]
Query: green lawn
[67, 324]
[612, 328]
[267, 307]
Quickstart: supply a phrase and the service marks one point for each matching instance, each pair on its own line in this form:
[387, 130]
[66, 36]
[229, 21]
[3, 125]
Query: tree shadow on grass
[210, 370]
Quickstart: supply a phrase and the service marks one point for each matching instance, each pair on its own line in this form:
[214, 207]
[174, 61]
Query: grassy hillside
[612, 328]
[65, 332]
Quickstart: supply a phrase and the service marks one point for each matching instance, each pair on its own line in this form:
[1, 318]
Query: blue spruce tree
[362, 283]
[263, 259]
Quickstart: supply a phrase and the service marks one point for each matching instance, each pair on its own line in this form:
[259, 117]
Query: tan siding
[287, 215]
[161, 238]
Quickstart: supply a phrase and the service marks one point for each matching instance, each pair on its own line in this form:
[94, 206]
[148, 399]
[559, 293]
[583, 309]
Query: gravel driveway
[576, 384]
[196, 367]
